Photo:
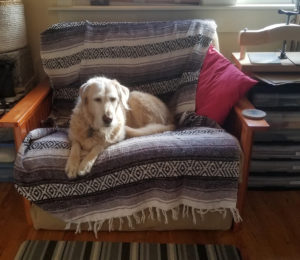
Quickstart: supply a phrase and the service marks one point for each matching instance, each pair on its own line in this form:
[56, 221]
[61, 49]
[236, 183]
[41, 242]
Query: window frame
[271, 2]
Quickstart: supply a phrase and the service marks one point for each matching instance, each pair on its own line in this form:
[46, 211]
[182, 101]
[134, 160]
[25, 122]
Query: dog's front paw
[71, 168]
[85, 167]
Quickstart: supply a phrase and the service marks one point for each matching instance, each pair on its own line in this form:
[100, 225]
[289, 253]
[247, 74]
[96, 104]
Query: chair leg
[246, 143]
[27, 206]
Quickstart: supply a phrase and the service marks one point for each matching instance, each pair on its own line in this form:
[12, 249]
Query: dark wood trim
[243, 129]
[28, 113]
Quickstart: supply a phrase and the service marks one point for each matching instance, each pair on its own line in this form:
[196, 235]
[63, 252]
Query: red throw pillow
[220, 86]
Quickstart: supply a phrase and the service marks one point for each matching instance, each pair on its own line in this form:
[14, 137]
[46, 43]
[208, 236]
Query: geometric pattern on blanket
[158, 57]
[192, 170]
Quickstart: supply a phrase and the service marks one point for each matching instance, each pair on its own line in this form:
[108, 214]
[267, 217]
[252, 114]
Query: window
[265, 1]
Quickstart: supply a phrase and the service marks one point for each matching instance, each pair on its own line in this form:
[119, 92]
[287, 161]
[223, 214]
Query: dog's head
[103, 100]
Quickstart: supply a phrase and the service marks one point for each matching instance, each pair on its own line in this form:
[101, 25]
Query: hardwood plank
[270, 229]
[13, 225]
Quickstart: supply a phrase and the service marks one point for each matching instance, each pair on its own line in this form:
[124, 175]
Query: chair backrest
[155, 57]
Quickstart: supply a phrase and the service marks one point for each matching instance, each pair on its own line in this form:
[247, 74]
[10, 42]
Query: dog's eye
[112, 99]
[98, 99]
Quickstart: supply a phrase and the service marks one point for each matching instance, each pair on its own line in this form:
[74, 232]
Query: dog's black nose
[106, 119]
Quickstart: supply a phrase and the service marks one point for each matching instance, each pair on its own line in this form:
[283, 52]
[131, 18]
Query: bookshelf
[275, 161]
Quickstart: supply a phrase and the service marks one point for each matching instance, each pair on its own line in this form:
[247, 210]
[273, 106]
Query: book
[7, 152]
[6, 134]
[6, 172]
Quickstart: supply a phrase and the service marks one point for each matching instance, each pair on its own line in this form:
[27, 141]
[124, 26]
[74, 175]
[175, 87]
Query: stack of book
[276, 153]
[7, 103]
[16, 79]
[7, 155]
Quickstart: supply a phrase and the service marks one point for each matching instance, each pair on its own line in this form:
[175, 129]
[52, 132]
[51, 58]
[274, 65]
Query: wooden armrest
[237, 124]
[26, 106]
[243, 128]
[27, 115]
[28, 112]
[255, 125]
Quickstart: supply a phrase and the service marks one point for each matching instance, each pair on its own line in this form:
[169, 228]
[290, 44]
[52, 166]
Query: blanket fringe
[236, 215]
[165, 215]
[97, 226]
[78, 228]
[130, 225]
[121, 223]
[194, 215]
[143, 219]
[90, 226]
[158, 214]
[68, 226]
[137, 218]
[151, 214]
[155, 213]
[110, 224]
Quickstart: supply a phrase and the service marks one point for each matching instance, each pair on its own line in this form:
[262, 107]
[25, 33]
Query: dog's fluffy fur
[106, 113]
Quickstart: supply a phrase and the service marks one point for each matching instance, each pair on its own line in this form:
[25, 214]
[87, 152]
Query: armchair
[191, 176]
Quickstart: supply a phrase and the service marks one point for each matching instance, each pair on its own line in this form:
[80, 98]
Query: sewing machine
[281, 61]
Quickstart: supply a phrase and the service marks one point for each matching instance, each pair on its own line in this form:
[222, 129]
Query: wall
[37, 19]
[230, 20]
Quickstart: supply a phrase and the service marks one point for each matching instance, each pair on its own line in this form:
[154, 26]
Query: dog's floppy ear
[83, 93]
[123, 93]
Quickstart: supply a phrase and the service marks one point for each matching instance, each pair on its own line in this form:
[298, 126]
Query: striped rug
[73, 250]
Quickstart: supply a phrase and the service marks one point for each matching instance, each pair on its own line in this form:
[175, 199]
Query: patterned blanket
[193, 168]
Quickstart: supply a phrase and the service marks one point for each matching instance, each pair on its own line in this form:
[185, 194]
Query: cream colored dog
[106, 113]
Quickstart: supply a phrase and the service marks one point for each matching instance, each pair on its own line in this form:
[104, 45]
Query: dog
[106, 112]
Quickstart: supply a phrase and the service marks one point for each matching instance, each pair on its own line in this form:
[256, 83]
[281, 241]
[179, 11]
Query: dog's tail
[148, 130]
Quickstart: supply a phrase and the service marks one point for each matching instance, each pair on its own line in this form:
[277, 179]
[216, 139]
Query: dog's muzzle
[107, 120]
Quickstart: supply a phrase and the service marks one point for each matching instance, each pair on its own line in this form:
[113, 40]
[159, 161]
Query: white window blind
[87, 2]
[264, 1]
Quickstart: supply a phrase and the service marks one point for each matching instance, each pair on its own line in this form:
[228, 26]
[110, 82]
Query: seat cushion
[195, 168]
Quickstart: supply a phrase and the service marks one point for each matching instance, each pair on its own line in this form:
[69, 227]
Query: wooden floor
[270, 231]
